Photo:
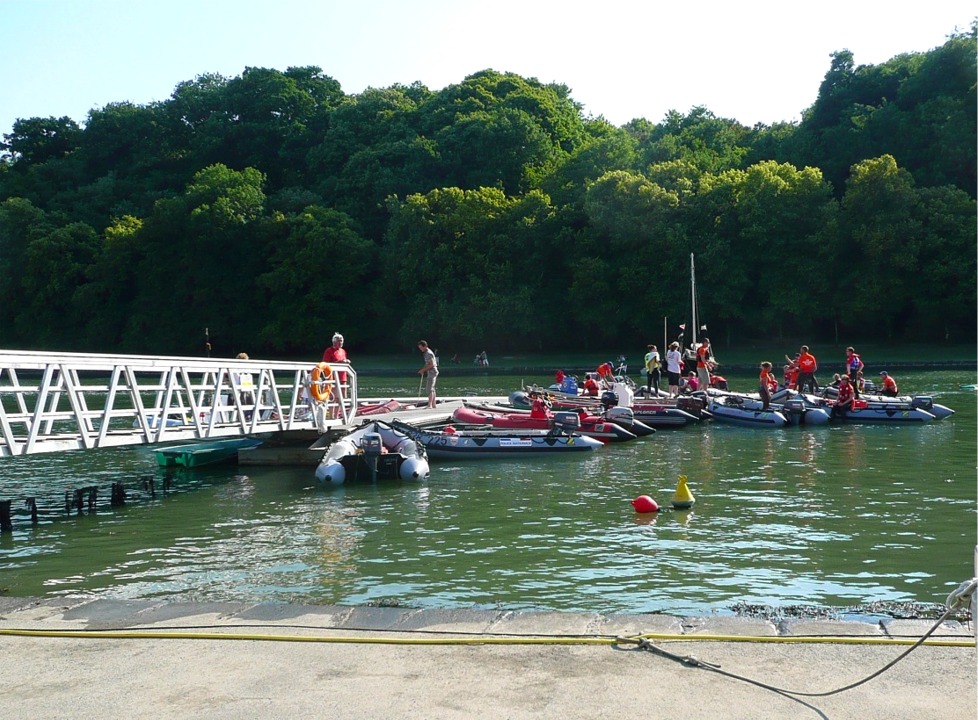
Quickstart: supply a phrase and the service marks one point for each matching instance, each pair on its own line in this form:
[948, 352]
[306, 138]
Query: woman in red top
[766, 383]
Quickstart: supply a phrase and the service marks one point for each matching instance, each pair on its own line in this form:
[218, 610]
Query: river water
[835, 517]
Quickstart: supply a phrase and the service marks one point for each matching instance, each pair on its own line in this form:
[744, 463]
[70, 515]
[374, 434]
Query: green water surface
[832, 516]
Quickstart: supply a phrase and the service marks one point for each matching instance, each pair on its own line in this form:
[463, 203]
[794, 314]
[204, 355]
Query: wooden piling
[5, 524]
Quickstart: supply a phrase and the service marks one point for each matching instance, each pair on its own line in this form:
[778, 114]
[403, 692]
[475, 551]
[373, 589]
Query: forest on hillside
[274, 209]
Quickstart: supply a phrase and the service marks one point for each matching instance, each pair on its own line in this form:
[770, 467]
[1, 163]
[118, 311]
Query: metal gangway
[53, 402]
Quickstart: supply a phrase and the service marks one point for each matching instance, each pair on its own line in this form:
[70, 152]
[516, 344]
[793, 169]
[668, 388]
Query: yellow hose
[481, 640]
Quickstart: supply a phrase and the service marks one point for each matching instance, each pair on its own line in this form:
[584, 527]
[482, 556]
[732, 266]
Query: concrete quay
[73, 658]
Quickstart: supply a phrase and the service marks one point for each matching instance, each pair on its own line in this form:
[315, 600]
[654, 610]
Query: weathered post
[118, 498]
[5, 524]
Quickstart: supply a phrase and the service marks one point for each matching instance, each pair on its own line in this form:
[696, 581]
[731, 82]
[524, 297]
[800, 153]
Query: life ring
[320, 387]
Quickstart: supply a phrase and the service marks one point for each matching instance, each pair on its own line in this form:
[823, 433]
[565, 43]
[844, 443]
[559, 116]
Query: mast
[692, 286]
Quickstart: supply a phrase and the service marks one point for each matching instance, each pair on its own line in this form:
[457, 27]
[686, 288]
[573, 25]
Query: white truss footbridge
[53, 402]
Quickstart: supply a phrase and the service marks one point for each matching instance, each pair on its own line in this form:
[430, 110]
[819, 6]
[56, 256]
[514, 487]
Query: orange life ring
[320, 386]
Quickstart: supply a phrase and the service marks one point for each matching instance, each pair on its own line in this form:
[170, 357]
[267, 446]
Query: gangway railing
[51, 402]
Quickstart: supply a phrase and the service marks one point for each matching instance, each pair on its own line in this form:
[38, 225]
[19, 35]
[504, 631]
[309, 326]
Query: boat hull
[746, 416]
[663, 417]
[497, 444]
[887, 415]
[901, 402]
[590, 426]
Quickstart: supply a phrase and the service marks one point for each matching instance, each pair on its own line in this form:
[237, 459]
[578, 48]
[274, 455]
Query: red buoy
[645, 504]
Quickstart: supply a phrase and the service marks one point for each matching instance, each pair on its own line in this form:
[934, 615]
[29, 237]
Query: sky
[754, 62]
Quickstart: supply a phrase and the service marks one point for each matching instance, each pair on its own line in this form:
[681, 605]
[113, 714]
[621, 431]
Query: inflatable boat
[374, 451]
[588, 425]
[501, 443]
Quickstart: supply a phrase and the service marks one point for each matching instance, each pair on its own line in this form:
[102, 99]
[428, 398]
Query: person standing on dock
[431, 368]
[244, 385]
[336, 353]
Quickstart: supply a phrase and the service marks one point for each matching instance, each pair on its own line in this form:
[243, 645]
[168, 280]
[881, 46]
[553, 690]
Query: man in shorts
[431, 368]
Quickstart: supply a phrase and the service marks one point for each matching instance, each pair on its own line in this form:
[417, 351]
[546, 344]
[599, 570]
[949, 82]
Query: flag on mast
[683, 326]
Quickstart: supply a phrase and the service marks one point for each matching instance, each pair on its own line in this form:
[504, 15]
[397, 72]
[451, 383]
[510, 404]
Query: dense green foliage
[273, 209]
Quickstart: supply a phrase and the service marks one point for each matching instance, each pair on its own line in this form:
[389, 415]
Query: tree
[884, 238]
[528, 120]
[606, 148]
[317, 272]
[787, 220]
[500, 148]
[104, 301]
[944, 306]
[37, 140]
[20, 222]
[55, 267]
[211, 238]
[709, 143]
[475, 254]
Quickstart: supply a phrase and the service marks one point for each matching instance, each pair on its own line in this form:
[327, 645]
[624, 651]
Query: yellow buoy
[682, 499]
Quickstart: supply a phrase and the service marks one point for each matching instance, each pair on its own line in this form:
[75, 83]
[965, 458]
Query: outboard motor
[794, 410]
[567, 422]
[373, 448]
[622, 415]
[922, 402]
[609, 399]
[372, 444]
